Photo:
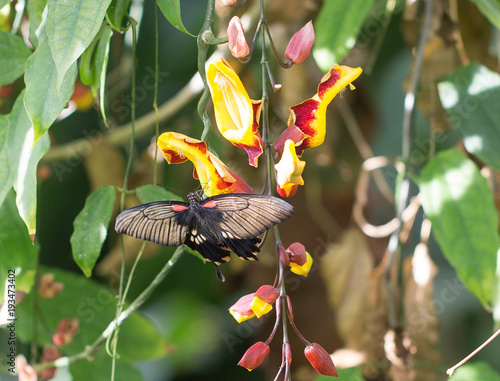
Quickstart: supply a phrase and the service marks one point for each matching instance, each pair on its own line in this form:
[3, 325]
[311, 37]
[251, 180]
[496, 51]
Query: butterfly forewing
[156, 222]
[248, 215]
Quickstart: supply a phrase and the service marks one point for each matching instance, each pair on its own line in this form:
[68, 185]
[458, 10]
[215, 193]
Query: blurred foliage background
[189, 309]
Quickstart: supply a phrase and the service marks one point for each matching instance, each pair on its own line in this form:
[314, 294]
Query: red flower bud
[267, 293]
[284, 258]
[66, 331]
[300, 45]
[48, 288]
[297, 253]
[50, 353]
[289, 308]
[236, 38]
[320, 360]
[254, 356]
[287, 353]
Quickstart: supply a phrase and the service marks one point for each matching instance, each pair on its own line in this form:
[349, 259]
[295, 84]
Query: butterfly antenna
[173, 190]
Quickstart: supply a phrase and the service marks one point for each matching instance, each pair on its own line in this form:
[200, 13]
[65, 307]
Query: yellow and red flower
[307, 121]
[300, 260]
[236, 115]
[289, 171]
[213, 174]
[257, 303]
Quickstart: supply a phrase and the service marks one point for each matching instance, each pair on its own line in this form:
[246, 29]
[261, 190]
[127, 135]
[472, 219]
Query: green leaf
[150, 193]
[459, 203]
[490, 9]
[471, 96]
[3, 3]
[24, 156]
[35, 10]
[71, 27]
[171, 9]
[116, 13]
[99, 369]
[13, 55]
[476, 371]
[91, 228]
[42, 100]
[95, 307]
[99, 68]
[6, 176]
[18, 253]
[337, 28]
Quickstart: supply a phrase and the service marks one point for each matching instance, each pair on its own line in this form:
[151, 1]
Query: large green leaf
[150, 193]
[13, 55]
[71, 27]
[459, 203]
[42, 100]
[337, 28]
[95, 307]
[24, 156]
[471, 96]
[476, 371]
[171, 9]
[490, 9]
[91, 228]
[6, 176]
[17, 253]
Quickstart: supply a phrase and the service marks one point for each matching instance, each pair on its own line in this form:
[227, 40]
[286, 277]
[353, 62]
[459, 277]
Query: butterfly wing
[245, 216]
[161, 222]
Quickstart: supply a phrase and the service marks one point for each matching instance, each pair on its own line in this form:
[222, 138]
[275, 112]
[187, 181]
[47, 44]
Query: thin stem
[92, 349]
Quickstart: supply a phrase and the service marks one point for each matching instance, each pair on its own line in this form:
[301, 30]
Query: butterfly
[213, 227]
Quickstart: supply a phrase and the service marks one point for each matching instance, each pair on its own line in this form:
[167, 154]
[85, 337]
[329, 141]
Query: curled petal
[237, 116]
[289, 171]
[254, 356]
[213, 174]
[320, 360]
[302, 269]
[242, 309]
[268, 293]
[236, 38]
[300, 44]
[260, 307]
[310, 116]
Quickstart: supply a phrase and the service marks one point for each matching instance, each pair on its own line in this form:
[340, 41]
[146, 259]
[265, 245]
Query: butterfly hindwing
[248, 215]
[157, 222]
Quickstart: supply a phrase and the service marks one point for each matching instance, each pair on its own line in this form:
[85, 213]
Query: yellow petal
[289, 170]
[304, 269]
[241, 318]
[259, 307]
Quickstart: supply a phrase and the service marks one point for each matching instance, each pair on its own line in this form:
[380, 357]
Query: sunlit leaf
[13, 55]
[171, 9]
[459, 203]
[337, 28]
[24, 158]
[471, 96]
[150, 193]
[490, 9]
[3, 3]
[42, 100]
[99, 68]
[35, 10]
[116, 13]
[91, 228]
[17, 253]
[71, 27]
[6, 176]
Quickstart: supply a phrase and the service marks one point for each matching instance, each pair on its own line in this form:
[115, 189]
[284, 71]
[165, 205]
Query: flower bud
[320, 360]
[300, 44]
[236, 38]
[50, 353]
[24, 370]
[242, 310]
[289, 308]
[66, 331]
[48, 289]
[284, 258]
[297, 253]
[287, 353]
[254, 356]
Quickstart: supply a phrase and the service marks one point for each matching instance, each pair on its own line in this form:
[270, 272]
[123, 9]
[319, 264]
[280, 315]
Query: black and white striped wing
[156, 222]
[248, 215]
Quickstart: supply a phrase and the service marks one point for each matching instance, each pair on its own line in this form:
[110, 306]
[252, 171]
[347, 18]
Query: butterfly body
[213, 227]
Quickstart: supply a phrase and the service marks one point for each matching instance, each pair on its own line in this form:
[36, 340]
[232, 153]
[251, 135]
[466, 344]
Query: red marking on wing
[178, 208]
[210, 204]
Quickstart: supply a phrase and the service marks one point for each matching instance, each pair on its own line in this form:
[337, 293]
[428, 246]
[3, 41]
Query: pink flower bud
[236, 36]
[66, 331]
[320, 360]
[284, 258]
[24, 370]
[300, 45]
[267, 293]
[48, 289]
[50, 353]
[297, 253]
[242, 309]
[287, 353]
[289, 308]
[254, 356]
